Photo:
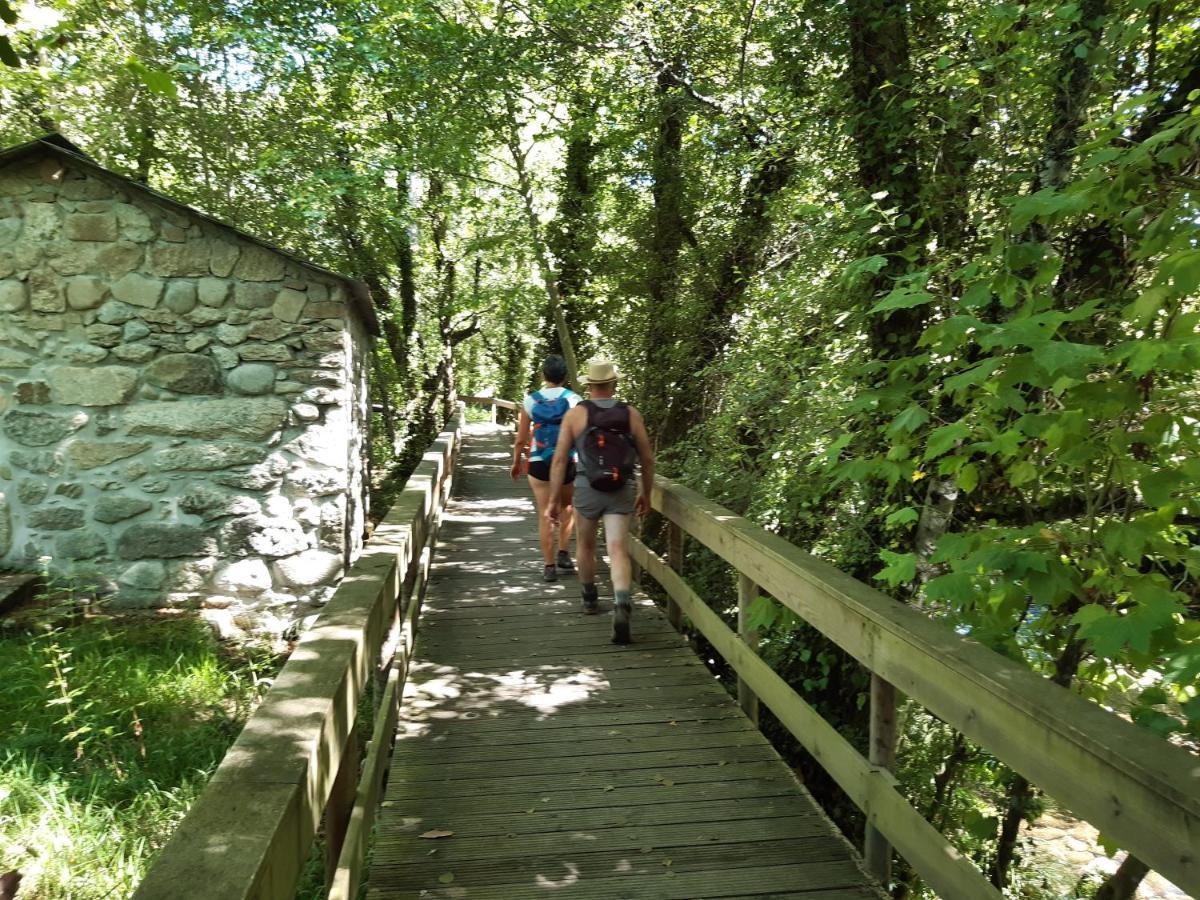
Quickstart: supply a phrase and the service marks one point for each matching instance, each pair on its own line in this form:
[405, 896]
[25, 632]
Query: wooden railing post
[340, 805]
[675, 559]
[877, 852]
[747, 594]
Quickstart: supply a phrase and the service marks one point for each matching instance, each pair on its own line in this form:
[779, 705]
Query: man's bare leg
[585, 557]
[616, 532]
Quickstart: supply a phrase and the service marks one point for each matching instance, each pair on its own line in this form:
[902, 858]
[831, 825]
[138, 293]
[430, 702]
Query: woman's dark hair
[554, 369]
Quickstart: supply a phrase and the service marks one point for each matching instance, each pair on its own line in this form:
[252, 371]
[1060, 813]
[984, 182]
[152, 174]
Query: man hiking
[537, 431]
[610, 438]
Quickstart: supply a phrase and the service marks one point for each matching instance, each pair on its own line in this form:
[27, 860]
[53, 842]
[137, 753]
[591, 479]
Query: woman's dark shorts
[540, 469]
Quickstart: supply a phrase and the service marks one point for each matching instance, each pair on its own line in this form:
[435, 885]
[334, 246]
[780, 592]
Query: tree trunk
[1123, 883]
[572, 235]
[734, 271]
[1073, 89]
[540, 251]
[665, 243]
[1021, 792]
[880, 81]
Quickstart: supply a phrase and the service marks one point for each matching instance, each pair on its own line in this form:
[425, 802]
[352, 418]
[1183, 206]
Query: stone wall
[182, 411]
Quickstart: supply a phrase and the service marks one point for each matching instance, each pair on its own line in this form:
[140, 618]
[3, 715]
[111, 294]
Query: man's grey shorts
[592, 504]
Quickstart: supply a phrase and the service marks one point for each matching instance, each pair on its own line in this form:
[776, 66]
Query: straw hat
[600, 371]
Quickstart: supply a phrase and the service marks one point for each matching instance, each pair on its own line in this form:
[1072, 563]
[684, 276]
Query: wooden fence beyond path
[565, 766]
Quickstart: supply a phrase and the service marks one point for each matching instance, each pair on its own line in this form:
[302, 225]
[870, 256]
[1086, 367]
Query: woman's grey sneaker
[622, 613]
[564, 561]
[591, 601]
[549, 573]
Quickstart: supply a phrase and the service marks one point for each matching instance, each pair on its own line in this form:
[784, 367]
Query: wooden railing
[1139, 790]
[493, 403]
[298, 761]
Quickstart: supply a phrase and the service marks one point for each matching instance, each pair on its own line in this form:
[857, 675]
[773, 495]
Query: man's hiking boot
[564, 561]
[591, 601]
[549, 573]
[622, 613]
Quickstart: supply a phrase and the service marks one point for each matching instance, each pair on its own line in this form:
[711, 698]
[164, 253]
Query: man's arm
[520, 443]
[562, 453]
[637, 425]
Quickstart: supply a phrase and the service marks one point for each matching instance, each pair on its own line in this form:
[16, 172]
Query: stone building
[183, 407]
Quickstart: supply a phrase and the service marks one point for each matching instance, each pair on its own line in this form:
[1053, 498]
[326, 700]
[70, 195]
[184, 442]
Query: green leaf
[1022, 473]
[952, 589]
[942, 440]
[912, 418]
[968, 477]
[903, 298]
[762, 613]
[1157, 487]
[902, 517]
[1067, 357]
[8, 15]
[1182, 270]
[901, 567]
[158, 81]
[978, 295]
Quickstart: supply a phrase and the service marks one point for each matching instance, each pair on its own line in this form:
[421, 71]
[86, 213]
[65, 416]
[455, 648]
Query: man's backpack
[606, 449]
[547, 416]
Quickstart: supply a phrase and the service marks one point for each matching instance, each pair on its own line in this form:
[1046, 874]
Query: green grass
[110, 730]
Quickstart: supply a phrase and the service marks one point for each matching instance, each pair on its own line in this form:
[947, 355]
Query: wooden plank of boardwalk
[566, 766]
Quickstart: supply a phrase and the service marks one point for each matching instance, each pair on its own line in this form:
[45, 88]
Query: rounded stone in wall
[259, 535]
[40, 429]
[251, 378]
[309, 568]
[185, 373]
[147, 575]
[86, 292]
[164, 541]
[80, 545]
[245, 576]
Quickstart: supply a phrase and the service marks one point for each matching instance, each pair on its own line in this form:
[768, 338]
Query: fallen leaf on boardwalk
[667, 782]
[609, 787]
[647, 849]
[530, 810]
[435, 833]
[672, 722]
[723, 762]
[446, 878]
[666, 862]
[431, 852]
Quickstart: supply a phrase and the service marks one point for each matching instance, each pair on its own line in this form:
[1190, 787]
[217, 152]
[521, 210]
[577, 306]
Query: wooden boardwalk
[566, 766]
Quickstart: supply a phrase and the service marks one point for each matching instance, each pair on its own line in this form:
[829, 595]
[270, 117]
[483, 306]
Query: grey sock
[621, 598]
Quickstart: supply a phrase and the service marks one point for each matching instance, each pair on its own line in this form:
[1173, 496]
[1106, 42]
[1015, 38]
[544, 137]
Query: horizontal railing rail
[490, 401]
[1141, 791]
[297, 762]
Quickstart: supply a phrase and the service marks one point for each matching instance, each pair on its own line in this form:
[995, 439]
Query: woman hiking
[541, 415]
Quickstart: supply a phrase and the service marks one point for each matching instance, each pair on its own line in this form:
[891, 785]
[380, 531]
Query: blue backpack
[547, 416]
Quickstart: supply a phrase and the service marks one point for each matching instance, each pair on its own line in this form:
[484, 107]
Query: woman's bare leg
[541, 493]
